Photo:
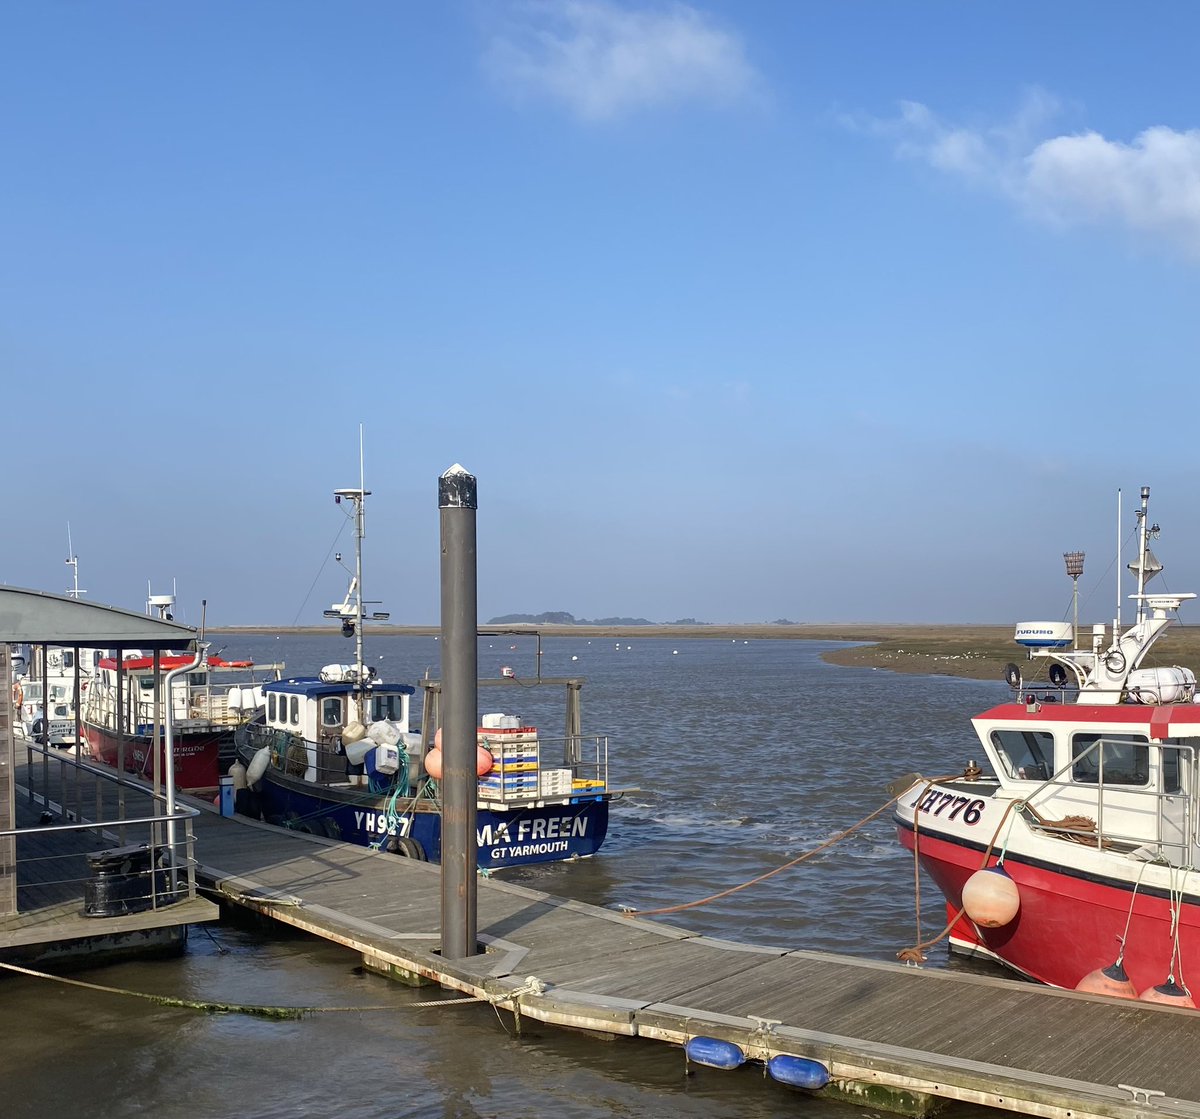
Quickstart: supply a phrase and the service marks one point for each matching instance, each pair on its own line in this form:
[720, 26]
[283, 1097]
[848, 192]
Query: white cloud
[602, 59]
[1150, 186]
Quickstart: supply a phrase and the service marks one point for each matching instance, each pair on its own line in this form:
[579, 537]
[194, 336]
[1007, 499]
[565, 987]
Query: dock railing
[100, 838]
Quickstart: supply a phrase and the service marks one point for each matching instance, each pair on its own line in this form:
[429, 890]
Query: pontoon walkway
[894, 1037]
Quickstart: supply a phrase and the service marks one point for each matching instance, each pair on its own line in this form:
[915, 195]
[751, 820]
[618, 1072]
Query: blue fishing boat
[335, 755]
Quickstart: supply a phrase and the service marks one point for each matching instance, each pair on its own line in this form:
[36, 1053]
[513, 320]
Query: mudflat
[979, 652]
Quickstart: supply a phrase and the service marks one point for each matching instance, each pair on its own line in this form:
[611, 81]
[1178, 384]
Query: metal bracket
[1140, 1095]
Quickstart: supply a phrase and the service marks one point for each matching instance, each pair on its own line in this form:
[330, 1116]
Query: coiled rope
[630, 912]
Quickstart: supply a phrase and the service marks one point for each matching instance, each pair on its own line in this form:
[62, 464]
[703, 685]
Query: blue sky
[738, 311]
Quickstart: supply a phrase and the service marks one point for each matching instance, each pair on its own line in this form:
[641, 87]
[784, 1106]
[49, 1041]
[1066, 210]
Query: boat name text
[935, 802]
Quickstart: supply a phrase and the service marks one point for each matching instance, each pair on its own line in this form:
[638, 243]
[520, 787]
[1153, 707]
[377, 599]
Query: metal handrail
[1055, 781]
[166, 820]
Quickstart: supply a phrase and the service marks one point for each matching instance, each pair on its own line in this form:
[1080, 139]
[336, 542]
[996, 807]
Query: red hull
[197, 756]
[1067, 925]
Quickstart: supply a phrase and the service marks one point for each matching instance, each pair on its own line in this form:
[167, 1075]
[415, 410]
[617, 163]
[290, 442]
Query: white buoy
[991, 898]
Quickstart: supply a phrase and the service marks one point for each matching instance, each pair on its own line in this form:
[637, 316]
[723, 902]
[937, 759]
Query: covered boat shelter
[41, 619]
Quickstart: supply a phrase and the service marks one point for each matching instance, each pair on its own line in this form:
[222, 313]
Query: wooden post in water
[457, 502]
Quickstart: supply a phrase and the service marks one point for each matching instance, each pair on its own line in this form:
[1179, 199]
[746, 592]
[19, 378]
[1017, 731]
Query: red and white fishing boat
[207, 705]
[1076, 861]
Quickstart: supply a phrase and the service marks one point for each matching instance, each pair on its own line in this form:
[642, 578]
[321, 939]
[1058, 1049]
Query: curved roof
[39, 617]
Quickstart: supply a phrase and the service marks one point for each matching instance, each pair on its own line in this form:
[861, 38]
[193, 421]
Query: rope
[630, 912]
[915, 954]
[276, 1012]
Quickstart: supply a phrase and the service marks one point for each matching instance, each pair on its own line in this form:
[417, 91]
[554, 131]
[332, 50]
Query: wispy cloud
[1150, 186]
[603, 59]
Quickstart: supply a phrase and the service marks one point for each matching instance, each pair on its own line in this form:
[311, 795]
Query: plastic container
[228, 793]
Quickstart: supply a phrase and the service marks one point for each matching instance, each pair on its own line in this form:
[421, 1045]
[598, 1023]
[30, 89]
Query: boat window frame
[1032, 764]
[395, 705]
[294, 711]
[332, 705]
[271, 707]
[1087, 748]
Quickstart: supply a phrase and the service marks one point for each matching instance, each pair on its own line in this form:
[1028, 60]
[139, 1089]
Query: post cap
[457, 489]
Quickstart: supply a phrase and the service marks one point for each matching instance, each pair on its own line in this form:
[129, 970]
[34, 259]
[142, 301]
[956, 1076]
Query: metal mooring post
[457, 502]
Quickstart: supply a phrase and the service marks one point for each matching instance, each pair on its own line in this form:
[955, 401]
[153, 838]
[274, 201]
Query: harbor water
[743, 755]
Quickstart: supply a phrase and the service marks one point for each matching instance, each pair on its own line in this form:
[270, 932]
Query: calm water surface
[743, 755]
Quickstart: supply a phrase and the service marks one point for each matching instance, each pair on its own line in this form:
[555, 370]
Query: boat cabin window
[295, 712]
[1125, 758]
[1177, 753]
[146, 683]
[271, 708]
[1028, 753]
[388, 707]
[68, 658]
[331, 711]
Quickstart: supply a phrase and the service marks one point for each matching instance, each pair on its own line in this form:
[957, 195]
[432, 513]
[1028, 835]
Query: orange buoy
[1110, 980]
[991, 898]
[1168, 993]
[437, 739]
[434, 762]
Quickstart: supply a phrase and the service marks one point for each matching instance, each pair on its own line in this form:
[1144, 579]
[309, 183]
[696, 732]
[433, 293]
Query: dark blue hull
[548, 832]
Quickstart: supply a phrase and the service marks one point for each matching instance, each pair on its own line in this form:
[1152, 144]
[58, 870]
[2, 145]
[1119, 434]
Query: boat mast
[1143, 529]
[73, 563]
[360, 530]
[352, 610]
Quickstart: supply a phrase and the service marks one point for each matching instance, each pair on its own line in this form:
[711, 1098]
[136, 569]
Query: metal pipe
[169, 751]
[457, 501]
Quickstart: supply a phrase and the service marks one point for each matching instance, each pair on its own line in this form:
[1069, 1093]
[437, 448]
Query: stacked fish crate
[514, 776]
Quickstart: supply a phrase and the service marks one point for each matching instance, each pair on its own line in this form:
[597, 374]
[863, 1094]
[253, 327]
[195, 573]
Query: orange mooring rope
[770, 873]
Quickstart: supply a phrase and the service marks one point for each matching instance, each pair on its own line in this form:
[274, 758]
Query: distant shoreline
[977, 652]
[804, 631]
[899, 648]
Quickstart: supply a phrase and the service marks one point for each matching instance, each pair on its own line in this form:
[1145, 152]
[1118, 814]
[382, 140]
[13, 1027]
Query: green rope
[279, 1013]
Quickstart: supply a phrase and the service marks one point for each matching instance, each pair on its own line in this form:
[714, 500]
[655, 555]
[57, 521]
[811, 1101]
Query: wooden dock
[892, 1036]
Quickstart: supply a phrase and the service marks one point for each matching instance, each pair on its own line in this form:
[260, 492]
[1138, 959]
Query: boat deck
[893, 1036]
